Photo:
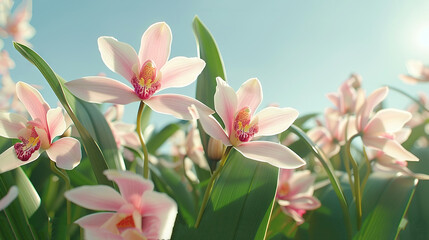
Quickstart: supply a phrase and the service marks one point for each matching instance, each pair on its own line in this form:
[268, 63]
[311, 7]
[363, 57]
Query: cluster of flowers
[138, 212]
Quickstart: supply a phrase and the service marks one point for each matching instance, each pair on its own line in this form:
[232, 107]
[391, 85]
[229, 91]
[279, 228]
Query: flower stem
[63, 175]
[368, 170]
[357, 191]
[210, 185]
[139, 133]
[331, 175]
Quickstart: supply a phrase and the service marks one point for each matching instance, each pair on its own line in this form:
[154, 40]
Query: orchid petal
[249, 95]
[389, 147]
[131, 185]
[305, 203]
[9, 159]
[388, 120]
[301, 183]
[176, 105]
[163, 207]
[214, 129]
[92, 233]
[95, 220]
[99, 197]
[66, 152]
[273, 120]
[156, 44]
[272, 153]
[33, 102]
[293, 213]
[119, 57]
[181, 71]
[102, 89]
[373, 100]
[10, 196]
[10, 124]
[56, 122]
[225, 101]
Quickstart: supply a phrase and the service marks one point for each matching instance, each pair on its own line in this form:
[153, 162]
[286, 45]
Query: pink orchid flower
[124, 133]
[6, 63]
[241, 124]
[377, 131]
[18, 24]
[10, 196]
[148, 72]
[332, 135]
[295, 193]
[349, 97]
[136, 213]
[37, 135]
[418, 72]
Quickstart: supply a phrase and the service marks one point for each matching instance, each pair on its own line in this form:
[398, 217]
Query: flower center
[284, 189]
[30, 143]
[126, 223]
[147, 83]
[243, 128]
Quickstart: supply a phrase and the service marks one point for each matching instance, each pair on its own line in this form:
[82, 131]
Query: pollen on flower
[147, 83]
[28, 146]
[244, 129]
[126, 223]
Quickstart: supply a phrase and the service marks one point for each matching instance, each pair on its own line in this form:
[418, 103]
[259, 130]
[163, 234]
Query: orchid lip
[243, 127]
[28, 146]
[148, 80]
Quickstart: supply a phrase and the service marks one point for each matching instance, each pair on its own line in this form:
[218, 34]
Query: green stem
[194, 190]
[139, 133]
[368, 170]
[331, 175]
[63, 175]
[210, 185]
[357, 191]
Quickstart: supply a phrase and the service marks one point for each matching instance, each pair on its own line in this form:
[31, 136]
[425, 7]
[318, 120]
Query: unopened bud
[215, 149]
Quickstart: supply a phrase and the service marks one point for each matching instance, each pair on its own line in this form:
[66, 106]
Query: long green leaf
[92, 149]
[386, 200]
[206, 82]
[160, 137]
[239, 202]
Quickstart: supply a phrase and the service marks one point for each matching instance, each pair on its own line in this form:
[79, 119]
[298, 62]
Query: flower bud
[215, 149]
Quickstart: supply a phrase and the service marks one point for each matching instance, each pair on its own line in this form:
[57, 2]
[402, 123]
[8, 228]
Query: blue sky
[299, 50]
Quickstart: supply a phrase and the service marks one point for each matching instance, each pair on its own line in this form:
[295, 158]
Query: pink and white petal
[293, 214]
[285, 175]
[132, 186]
[95, 220]
[56, 122]
[176, 105]
[134, 234]
[388, 120]
[181, 71]
[389, 147]
[272, 153]
[273, 120]
[9, 159]
[156, 44]
[161, 206]
[373, 100]
[334, 98]
[225, 101]
[10, 196]
[10, 124]
[249, 95]
[301, 183]
[305, 203]
[102, 90]
[33, 102]
[101, 233]
[98, 197]
[409, 79]
[119, 57]
[65, 152]
[214, 129]
[402, 135]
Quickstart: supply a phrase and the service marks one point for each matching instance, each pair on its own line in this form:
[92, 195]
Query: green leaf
[416, 133]
[418, 221]
[13, 221]
[386, 199]
[239, 202]
[74, 107]
[160, 137]
[206, 82]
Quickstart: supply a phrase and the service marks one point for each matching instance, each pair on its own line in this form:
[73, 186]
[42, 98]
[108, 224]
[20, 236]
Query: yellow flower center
[147, 83]
[243, 127]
